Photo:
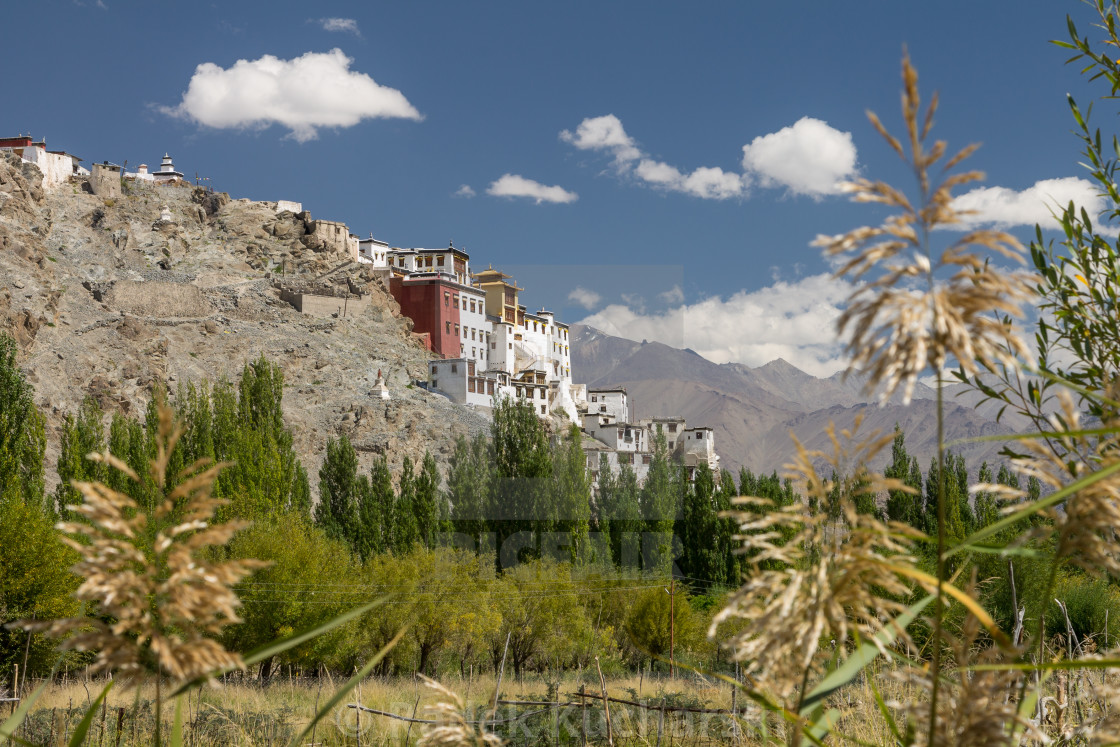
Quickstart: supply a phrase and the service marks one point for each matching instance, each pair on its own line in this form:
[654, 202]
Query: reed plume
[818, 569]
[904, 319]
[158, 599]
[452, 729]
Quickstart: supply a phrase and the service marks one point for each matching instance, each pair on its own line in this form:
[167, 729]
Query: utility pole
[672, 629]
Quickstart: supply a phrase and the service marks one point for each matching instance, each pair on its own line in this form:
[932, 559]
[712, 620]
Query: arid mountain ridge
[753, 411]
[106, 299]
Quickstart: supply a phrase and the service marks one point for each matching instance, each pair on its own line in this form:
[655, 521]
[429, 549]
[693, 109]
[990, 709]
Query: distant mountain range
[753, 410]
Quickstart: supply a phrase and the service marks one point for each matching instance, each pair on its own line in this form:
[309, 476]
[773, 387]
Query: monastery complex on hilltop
[485, 343]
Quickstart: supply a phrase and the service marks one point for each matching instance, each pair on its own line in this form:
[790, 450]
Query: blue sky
[595, 150]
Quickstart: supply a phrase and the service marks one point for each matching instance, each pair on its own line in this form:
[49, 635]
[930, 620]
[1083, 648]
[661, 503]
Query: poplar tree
[468, 488]
[427, 502]
[703, 560]
[23, 439]
[521, 506]
[81, 436]
[902, 506]
[336, 513]
[403, 520]
[659, 509]
[572, 494]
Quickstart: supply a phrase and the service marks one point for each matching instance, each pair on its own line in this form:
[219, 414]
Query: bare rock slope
[106, 299]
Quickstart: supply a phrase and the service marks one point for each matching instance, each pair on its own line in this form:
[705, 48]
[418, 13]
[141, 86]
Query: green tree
[572, 496]
[35, 582]
[902, 506]
[375, 533]
[405, 531]
[648, 624]
[428, 502]
[986, 509]
[80, 437]
[248, 430]
[703, 560]
[659, 502]
[305, 585]
[468, 488]
[23, 438]
[336, 513]
[727, 528]
[521, 506]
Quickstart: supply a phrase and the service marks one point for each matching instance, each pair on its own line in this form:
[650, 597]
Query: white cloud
[1005, 207]
[302, 94]
[712, 183]
[513, 185]
[673, 295]
[588, 299]
[464, 190]
[657, 172]
[345, 25]
[808, 158]
[604, 133]
[791, 320]
[704, 182]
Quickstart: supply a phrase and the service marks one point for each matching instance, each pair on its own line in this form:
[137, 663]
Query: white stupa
[379, 388]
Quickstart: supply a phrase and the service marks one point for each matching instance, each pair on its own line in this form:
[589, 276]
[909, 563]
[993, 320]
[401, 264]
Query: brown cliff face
[105, 299]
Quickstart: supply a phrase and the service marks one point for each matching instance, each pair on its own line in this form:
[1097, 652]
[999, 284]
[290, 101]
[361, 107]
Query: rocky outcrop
[107, 299]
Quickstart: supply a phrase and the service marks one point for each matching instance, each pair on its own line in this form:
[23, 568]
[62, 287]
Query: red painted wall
[15, 142]
[422, 301]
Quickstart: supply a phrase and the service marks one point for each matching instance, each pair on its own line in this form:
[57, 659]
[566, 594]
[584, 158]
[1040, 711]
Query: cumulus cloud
[464, 190]
[673, 295]
[795, 321]
[303, 94]
[344, 25]
[604, 133]
[1005, 208]
[588, 299]
[808, 158]
[513, 185]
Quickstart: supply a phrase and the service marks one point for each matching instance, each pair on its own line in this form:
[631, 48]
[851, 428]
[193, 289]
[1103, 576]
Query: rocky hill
[753, 410]
[106, 299]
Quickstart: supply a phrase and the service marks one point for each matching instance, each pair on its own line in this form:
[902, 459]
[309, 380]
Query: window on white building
[454, 368]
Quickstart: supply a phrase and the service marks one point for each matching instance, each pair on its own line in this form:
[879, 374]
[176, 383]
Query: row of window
[420, 261]
[624, 457]
[560, 332]
[481, 386]
[475, 352]
[452, 299]
[475, 334]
